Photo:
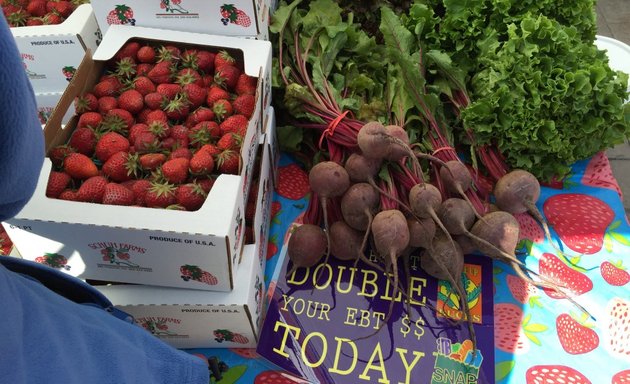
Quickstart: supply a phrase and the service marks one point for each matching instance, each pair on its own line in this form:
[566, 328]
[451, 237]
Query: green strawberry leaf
[620, 238]
[608, 242]
[614, 225]
[536, 328]
[503, 369]
[533, 338]
[534, 301]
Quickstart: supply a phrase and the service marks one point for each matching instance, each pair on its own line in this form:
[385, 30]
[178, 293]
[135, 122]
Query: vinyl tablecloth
[539, 337]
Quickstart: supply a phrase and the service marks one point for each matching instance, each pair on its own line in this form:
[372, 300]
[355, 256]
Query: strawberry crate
[46, 104]
[136, 244]
[242, 18]
[52, 53]
[194, 319]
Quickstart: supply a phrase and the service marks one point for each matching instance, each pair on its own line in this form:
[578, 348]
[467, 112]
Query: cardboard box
[242, 18]
[46, 104]
[151, 246]
[52, 53]
[194, 319]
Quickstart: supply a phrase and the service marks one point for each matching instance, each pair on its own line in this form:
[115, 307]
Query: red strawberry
[234, 124]
[246, 85]
[176, 170]
[79, 166]
[106, 104]
[580, 220]
[575, 338]
[195, 94]
[129, 49]
[529, 230]
[273, 377]
[203, 133]
[57, 183]
[160, 195]
[118, 119]
[617, 328]
[62, 7]
[292, 182]
[178, 108]
[190, 196]
[599, 174]
[208, 278]
[151, 161]
[5, 242]
[205, 184]
[187, 76]
[146, 142]
[159, 128]
[613, 274]
[276, 207]
[84, 140]
[198, 115]
[105, 88]
[554, 374]
[110, 143]
[161, 73]
[227, 76]
[116, 194]
[37, 8]
[240, 339]
[523, 291]
[122, 14]
[622, 377]
[121, 166]
[69, 195]
[508, 336]
[156, 115]
[154, 100]
[135, 130]
[87, 102]
[168, 90]
[242, 19]
[229, 162]
[230, 141]
[201, 163]
[223, 58]
[125, 68]
[92, 189]
[146, 54]
[140, 188]
[205, 61]
[215, 93]
[58, 154]
[90, 119]
[554, 269]
[222, 109]
[212, 149]
[184, 153]
[144, 85]
[244, 105]
[143, 69]
[272, 247]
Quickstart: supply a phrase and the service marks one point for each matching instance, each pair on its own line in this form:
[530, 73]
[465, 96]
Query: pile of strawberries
[156, 130]
[21, 13]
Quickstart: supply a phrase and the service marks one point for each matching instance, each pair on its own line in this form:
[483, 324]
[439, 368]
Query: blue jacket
[44, 337]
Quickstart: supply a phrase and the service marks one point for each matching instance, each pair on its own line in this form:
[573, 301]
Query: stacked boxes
[52, 54]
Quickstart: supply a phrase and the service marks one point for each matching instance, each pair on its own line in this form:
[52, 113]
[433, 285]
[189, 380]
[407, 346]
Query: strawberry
[87, 102]
[143, 69]
[83, 140]
[244, 105]
[230, 141]
[227, 76]
[276, 207]
[175, 171]
[203, 133]
[131, 100]
[154, 100]
[180, 134]
[151, 161]
[156, 115]
[188, 76]
[161, 73]
[622, 377]
[183, 152]
[234, 124]
[212, 149]
[118, 119]
[6, 244]
[523, 291]
[614, 274]
[201, 163]
[508, 323]
[106, 104]
[599, 174]
[144, 85]
[110, 143]
[575, 338]
[168, 90]
[229, 162]
[580, 220]
[160, 195]
[178, 108]
[273, 377]
[222, 109]
[57, 183]
[120, 166]
[292, 182]
[146, 142]
[92, 189]
[195, 94]
[135, 130]
[208, 278]
[37, 8]
[90, 119]
[246, 85]
[553, 268]
[159, 128]
[616, 326]
[58, 154]
[146, 54]
[52, 19]
[240, 339]
[551, 374]
[79, 166]
[223, 58]
[272, 247]
[105, 88]
[139, 188]
[530, 231]
[215, 93]
[242, 19]
[62, 7]
[33, 21]
[116, 194]
[198, 115]
[205, 183]
[205, 61]
[69, 195]
[190, 196]
[125, 68]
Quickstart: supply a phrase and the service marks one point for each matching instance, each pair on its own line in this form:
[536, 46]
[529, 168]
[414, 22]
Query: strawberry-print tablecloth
[539, 337]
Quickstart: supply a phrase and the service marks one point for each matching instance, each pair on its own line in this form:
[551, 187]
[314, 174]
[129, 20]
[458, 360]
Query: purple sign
[326, 324]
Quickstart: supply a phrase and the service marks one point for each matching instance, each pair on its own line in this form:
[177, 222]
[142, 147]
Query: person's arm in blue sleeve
[21, 136]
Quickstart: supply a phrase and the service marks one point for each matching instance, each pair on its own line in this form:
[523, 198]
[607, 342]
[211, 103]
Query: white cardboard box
[195, 319]
[46, 103]
[158, 246]
[242, 18]
[52, 53]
